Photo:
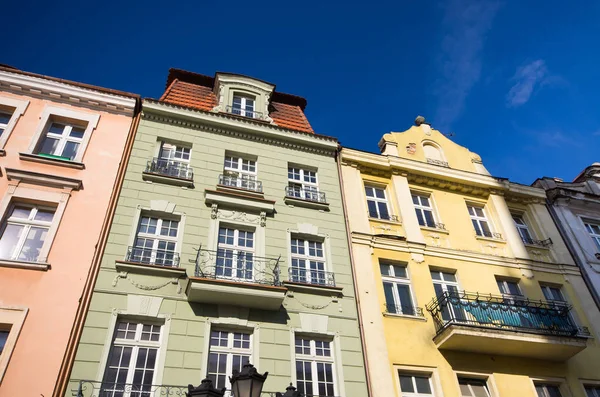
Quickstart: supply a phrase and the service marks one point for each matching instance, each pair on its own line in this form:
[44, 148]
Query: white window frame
[504, 282]
[238, 177]
[479, 219]
[56, 114]
[429, 372]
[236, 248]
[391, 278]
[309, 275]
[157, 237]
[173, 153]
[11, 318]
[559, 383]
[314, 359]
[63, 138]
[488, 378]
[414, 384]
[136, 344]
[229, 350]
[307, 189]
[595, 384]
[526, 234]
[18, 108]
[378, 200]
[484, 381]
[422, 207]
[593, 235]
[27, 225]
[243, 104]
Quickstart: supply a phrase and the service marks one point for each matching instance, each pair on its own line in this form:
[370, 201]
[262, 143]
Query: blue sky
[515, 81]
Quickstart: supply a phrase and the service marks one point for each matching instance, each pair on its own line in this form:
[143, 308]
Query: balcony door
[235, 254]
[447, 290]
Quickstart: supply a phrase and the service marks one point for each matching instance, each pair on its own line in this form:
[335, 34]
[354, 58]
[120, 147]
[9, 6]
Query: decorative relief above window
[243, 96]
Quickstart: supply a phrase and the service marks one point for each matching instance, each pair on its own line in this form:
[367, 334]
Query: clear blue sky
[516, 81]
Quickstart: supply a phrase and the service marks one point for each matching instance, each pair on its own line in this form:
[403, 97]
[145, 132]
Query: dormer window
[244, 106]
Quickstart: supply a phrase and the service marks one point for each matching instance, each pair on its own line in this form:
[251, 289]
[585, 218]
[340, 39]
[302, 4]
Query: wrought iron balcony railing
[490, 234]
[539, 243]
[406, 310]
[385, 217]
[241, 183]
[244, 112]
[310, 276]
[305, 194]
[89, 388]
[165, 167]
[238, 266]
[503, 313]
[150, 256]
[438, 162]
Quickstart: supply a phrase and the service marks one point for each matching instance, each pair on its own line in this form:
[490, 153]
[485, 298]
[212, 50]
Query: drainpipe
[352, 263]
[86, 296]
[573, 252]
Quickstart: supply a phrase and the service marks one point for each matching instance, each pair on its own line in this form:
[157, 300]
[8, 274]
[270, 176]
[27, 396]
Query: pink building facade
[62, 149]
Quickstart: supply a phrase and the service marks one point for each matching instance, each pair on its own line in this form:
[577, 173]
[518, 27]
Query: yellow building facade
[465, 285]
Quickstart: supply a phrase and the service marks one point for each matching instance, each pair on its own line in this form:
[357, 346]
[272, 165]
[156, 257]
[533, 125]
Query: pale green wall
[186, 339]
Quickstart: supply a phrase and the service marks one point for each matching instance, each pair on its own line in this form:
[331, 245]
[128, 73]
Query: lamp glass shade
[257, 387]
[243, 388]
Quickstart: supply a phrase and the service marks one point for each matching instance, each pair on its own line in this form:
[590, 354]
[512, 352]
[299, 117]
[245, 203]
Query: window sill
[536, 247]
[25, 265]
[435, 230]
[169, 180]
[313, 288]
[135, 267]
[406, 316]
[378, 220]
[46, 160]
[295, 201]
[490, 239]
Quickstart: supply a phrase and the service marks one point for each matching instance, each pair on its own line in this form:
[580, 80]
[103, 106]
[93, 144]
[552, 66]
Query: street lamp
[248, 382]
[290, 391]
[206, 389]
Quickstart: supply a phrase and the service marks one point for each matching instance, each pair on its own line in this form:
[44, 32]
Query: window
[523, 229]
[169, 151]
[308, 262]
[594, 231]
[5, 117]
[314, 367]
[509, 288]
[24, 231]
[445, 285]
[240, 172]
[553, 293]
[547, 390]
[473, 387]
[424, 210]
[228, 352]
[302, 183]
[61, 140]
[479, 220]
[132, 360]
[415, 385]
[377, 202]
[592, 391]
[11, 323]
[243, 106]
[156, 241]
[235, 253]
[173, 160]
[3, 338]
[396, 288]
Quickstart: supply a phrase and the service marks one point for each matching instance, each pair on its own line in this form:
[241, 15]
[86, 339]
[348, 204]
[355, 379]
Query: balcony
[250, 113]
[538, 243]
[313, 277]
[235, 277]
[168, 171]
[242, 183]
[490, 324]
[311, 198]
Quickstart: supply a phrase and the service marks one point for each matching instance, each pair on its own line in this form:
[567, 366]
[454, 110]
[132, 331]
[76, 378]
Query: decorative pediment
[229, 85]
[37, 178]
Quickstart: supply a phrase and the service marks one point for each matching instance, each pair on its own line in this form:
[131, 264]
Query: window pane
[77, 132]
[406, 384]
[420, 217]
[70, 150]
[405, 299]
[56, 128]
[3, 338]
[44, 215]
[369, 191]
[33, 244]
[20, 212]
[383, 211]
[388, 290]
[429, 218]
[380, 193]
[9, 239]
[372, 209]
[48, 146]
[400, 271]
[435, 275]
[423, 385]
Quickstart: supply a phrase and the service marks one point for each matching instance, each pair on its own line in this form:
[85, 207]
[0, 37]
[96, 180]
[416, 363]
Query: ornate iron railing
[310, 276]
[500, 312]
[238, 266]
[438, 162]
[540, 243]
[305, 194]
[150, 256]
[170, 168]
[406, 310]
[90, 388]
[388, 217]
[253, 114]
[490, 234]
[240, 183]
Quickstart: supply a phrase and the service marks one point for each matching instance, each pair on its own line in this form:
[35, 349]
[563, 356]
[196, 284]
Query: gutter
[66, 366]
[352, 263]
[573, 253]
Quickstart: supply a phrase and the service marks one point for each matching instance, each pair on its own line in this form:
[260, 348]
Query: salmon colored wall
[52, 296]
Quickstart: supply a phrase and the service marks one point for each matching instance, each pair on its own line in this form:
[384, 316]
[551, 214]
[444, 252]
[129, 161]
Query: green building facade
[228, 245]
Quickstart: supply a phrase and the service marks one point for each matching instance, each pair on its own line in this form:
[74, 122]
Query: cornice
[72, 94]
[38, 178]
[224, 124]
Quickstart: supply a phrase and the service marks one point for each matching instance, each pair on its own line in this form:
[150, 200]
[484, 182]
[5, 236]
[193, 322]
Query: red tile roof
[196, 91]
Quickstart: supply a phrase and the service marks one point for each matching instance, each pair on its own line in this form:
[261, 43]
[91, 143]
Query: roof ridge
[168, 90]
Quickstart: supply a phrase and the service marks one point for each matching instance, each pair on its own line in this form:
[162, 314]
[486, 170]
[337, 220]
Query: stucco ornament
[411, 148]
[240, 216]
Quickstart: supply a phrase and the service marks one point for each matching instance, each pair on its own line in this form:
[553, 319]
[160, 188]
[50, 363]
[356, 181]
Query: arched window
[433, 154]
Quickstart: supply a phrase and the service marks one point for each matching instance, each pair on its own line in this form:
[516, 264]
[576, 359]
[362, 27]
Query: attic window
[244, 105]
[433, 154]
